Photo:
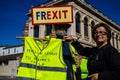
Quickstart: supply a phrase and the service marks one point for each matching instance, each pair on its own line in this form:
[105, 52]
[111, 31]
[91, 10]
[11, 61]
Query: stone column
[30, 29]
[82, 29]
[72, 29]
[89, 33]
[115, 40]
[42, 31]
[119, 43]
[111, 40]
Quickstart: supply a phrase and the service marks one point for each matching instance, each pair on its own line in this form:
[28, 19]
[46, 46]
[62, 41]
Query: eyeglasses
[100, 32]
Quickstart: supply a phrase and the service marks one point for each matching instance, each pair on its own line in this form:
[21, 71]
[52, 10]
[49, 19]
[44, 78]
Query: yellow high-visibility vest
[84, 70]
[42, 62]
[74, 56]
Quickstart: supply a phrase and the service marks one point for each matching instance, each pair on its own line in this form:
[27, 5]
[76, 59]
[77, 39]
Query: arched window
[119, 42]
[86, 27]
[36, 31]
[48, 29]
[92, 26]
[77, 20]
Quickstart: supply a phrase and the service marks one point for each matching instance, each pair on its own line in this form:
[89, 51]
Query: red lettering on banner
[65, 11]
[54, 14]
[59, 14]
[48, 15]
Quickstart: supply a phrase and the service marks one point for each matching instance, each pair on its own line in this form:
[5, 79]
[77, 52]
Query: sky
[13, 16]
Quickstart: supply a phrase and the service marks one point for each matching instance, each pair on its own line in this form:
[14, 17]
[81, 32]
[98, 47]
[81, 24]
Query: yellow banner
[52, 15]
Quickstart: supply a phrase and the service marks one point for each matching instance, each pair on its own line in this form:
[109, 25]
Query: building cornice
[97, 13]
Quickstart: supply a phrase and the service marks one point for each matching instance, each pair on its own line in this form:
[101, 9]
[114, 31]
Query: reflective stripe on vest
[83, 66]
[42, 62]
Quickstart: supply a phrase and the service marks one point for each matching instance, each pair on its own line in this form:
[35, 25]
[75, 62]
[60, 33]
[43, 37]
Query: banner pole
[22, 37]
[53, 28]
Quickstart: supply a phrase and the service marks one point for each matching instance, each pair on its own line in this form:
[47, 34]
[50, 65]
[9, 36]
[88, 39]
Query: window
[5, 62]
[0, 63]
[14, 50]
[8, 51]
[3, 53]
[119, 42]
[77, 20]
[48, 29]
[36, 31]
[92, 26]
[86, 27]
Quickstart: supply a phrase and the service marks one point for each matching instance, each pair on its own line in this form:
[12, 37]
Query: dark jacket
[69, 61]
[67, 58]
[105, 61]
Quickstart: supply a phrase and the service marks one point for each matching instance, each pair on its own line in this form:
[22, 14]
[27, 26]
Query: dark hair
[64, 26]
[107, 28]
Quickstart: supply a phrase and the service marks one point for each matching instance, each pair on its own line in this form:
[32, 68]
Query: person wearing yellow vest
[82, 72]
[52, 60]
[69, 58]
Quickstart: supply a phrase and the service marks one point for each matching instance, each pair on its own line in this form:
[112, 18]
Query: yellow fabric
[40, 55]
[47, 37]
[73, 52]
[83, 66]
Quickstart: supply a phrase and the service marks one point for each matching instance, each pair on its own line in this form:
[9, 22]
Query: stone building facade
[84, 18]
[9, 61]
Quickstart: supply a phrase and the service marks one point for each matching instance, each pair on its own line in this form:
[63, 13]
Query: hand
[53, 35]
[78, 60]
[94, 76]
[68, 38]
